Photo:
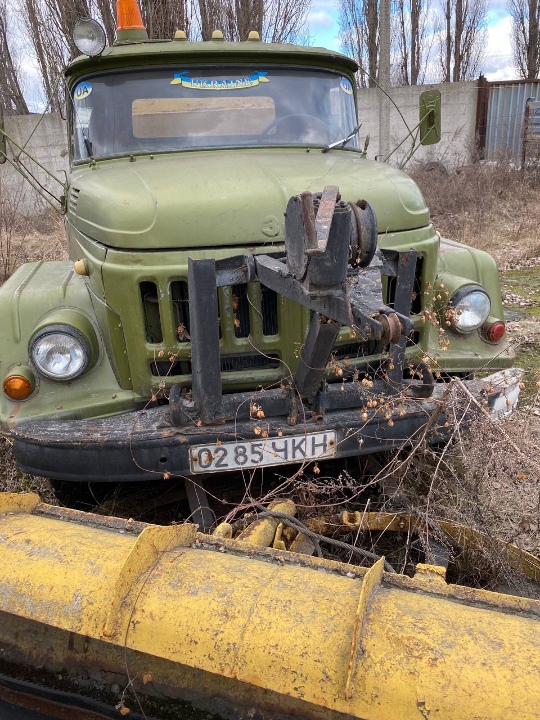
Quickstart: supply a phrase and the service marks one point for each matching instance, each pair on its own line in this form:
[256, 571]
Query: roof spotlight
[89, 36]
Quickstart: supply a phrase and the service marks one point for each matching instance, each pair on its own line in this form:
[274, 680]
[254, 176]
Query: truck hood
[227, 197]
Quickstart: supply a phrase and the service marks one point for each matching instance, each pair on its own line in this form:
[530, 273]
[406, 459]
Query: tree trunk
[448, 60]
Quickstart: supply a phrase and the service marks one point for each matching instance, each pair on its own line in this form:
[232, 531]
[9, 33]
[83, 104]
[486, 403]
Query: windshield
[176, 109]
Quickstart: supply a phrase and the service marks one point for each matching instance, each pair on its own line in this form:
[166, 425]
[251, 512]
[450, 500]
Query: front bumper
[144, 445]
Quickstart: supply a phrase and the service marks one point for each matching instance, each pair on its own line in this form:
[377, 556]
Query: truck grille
[237, 299]
[73, 198]
[253, 320]
[241, 304]
[163, 368]
[249, 319]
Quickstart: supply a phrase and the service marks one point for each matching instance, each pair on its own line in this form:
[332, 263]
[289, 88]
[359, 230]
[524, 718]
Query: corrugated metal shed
[505, 115]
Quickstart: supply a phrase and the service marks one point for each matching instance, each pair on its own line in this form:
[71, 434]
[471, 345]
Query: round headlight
[469, 308]
[60, 352]
[89, 37]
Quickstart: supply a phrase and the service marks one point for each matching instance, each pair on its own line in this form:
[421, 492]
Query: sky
[497, 64]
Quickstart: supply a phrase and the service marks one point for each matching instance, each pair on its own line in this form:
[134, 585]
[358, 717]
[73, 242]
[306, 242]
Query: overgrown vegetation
[493, 207]
[487, 479]
[23, 238]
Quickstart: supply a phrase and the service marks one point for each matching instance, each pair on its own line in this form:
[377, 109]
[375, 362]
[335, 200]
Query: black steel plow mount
[330, 266]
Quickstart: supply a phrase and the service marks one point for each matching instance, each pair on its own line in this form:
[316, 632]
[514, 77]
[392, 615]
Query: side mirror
[3, 144]
[430, 117]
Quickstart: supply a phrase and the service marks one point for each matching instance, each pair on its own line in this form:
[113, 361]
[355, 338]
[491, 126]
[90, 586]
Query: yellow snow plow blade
[244, 629]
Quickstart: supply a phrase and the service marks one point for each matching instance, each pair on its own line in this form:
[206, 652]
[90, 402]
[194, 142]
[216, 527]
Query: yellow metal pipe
[262, 531]
[260, 628]
[223, 530]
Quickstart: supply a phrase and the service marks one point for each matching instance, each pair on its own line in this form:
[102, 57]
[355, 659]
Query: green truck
[246, 288]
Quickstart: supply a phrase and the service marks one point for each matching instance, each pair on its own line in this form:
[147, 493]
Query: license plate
[257, 453]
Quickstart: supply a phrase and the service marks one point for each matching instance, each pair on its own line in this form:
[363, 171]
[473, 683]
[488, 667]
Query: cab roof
[167, 52]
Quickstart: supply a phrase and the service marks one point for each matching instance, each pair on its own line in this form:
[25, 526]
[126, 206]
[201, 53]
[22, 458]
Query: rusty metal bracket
[320, 340]
[328, 242]
[317, 239]
[204, 330]
[201, 514]
[323, 222]
[403, 265]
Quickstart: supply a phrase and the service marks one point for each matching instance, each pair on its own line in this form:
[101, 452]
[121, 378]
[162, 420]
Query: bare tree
[285, 20]
[163, 17]
[49, 25]
[103, 10]
[462, 38]
[359, 29]
[411, 48]
[359, 32]
[275, 20]
[249, 16]
[11, 94]
[526, 36]
[212, 16]
[50, 48]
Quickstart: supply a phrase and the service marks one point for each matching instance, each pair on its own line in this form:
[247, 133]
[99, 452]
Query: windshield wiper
[342, 143]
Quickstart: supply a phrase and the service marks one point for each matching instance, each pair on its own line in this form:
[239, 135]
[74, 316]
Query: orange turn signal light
[128, 15]
[18, 387]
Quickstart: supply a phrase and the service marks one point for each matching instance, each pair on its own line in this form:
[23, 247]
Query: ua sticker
[82, 91]
[183, 78]
[346, 86]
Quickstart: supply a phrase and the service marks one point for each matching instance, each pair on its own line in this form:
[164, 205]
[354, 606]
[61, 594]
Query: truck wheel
[83, 495]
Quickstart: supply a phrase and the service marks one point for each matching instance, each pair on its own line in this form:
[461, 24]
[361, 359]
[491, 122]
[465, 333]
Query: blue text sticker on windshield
[346, 86]
[82, 91]
[183, 78]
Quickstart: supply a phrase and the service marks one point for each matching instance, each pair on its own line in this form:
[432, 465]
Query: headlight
[468, 308]
[89, 37]
[60, 352]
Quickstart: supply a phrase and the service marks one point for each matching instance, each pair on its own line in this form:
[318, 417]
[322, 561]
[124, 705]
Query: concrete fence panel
[458, 101]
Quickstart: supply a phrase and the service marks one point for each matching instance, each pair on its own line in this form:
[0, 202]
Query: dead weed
[493, 207]
[13, 480]
[24, 239]
[487, 479]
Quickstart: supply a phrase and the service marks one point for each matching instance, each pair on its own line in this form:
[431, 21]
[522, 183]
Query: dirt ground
[488, 479]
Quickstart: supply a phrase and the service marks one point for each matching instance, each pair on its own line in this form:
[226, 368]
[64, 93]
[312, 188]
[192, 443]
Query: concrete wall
[44, 137]
[458, 101]
[48, 142]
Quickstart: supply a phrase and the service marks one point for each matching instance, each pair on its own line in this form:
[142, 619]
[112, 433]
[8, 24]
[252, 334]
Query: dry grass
[23, 239]
[492, 207]
[13, 480]
[487, 479]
